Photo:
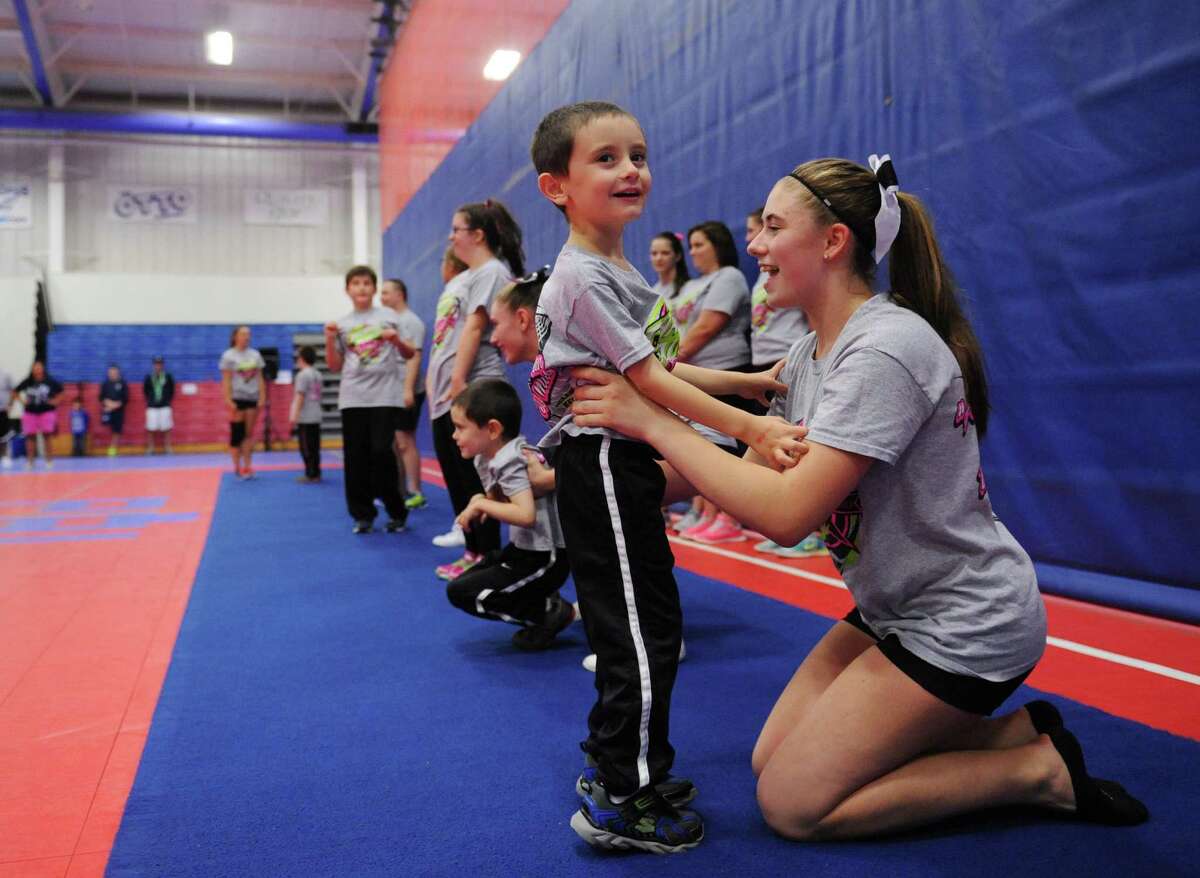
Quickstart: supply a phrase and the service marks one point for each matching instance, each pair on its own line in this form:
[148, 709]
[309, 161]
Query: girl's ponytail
[921, 282]
[500, 230]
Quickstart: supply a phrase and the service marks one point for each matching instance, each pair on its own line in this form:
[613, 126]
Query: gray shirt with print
[724, 291]
[308, 387]
[412, 331]
[917, 542]
[466, 293]
[773, 331]
[244, 367]
[593, 312]
[370, 370]
[506, 473]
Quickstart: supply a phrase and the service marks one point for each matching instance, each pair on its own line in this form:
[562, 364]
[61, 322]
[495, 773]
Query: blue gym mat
[328, 713]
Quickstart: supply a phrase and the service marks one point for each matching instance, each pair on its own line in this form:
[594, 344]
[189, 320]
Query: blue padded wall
[81, 352]
[1055, 142]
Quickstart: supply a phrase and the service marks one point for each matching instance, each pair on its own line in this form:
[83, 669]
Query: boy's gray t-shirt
[370, 374]
[773, 331]
[308, 386]
[593, 312]
[412, 331]
[465, 294]
[725, 291]
[506, 473]
[245, 367]
[917, 542]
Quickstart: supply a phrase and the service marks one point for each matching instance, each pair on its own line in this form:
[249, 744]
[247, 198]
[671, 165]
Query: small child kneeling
[519, 583]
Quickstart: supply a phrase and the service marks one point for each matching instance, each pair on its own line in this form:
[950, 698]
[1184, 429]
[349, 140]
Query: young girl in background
[245, 391]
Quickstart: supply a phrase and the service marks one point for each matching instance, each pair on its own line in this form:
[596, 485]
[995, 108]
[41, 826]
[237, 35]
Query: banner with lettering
[286, 207]
[16, 204]
[152, 204]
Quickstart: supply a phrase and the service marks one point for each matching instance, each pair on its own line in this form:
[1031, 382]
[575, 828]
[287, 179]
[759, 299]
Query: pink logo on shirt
[963, 416]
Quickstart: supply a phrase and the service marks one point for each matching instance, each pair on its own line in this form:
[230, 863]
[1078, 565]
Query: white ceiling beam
[148, 73]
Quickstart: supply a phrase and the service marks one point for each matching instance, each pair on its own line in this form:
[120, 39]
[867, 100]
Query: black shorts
[244, 405]
[972, 694]
[406, 418]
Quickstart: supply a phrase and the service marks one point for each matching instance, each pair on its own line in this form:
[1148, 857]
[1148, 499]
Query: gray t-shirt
[464, 295]
[725, 291]
[593, 312]
[773, 331]
[245, 367]
[917, 542]
[308, 387]
[370, 370]
[506, 473]
[412, 331]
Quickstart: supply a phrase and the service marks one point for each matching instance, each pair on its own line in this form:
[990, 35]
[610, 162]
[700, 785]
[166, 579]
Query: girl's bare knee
[788, 812]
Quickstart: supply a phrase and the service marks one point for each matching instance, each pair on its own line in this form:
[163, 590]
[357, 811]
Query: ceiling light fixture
[219, 47]
[501, 65]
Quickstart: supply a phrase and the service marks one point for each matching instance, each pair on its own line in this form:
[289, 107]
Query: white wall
[196, 298]
[219, 243]
[18, 304]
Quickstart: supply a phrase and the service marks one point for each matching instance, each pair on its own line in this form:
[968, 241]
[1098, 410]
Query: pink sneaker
[691, 532]
[722, 530]
[455, 569]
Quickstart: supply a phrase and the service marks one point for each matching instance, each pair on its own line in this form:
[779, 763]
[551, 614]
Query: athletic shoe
[6, 462]
[539, 637]
[645, 822]
[452, 537]
[49, 464]
[809, 547]
[305, 480]
[676, 790]
[1096, 800]
[415, 501]
[246, 475]
[589, 661]
[363, 527]
[394, 526]
[767, 547]
[688, 520]
[112, 452]
[701, 526]
[722, 530]
[455, 569]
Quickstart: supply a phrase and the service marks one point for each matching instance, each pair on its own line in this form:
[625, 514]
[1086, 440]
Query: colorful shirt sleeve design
[446, 319]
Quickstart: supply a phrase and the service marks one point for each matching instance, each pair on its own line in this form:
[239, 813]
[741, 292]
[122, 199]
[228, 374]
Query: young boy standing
[597, 310]
[364, 346]
[518, 584]
[305, 412]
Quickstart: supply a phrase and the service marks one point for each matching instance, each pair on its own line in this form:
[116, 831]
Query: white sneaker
[6, 462]
[452, 537]
[589, 661]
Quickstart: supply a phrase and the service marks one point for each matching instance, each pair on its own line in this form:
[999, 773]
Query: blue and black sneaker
[676, 790]
[645, 822]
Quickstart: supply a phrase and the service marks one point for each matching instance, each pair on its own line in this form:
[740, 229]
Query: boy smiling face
[608, 177]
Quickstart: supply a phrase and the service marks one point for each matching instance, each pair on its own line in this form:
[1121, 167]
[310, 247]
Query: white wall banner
[152, 204]
[16, 204]
[287, 207]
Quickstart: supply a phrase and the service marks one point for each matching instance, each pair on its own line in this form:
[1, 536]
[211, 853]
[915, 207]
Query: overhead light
[219, 46]
[501, 65]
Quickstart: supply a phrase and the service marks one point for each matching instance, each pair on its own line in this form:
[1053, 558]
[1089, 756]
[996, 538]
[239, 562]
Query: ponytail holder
[540, 275]
[887, 221]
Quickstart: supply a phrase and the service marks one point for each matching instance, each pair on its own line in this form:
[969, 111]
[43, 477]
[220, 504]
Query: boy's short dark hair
[524, 292]
[486, 399]
[400, 285]
[555, 135]
[308, 354]
[362, 271]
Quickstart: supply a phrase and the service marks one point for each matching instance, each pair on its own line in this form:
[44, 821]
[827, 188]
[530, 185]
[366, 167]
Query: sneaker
[689, 519]
[6, 462]
[809, 547]
[363, 527]
[452, 537]
[589, 661]
[676, 790]
[246, 475]
[767, 547]
[394, 526]
[112, 452]
[645, 821]
[306, 480]
[415, 501]
[455, 569]
[49, 464]
[539, 637]
[722, 530]
[700, 526]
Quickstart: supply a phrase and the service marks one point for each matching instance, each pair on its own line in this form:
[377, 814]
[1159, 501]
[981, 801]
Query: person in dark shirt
[40, 394]
[114, 396]
[79, 428]
[159, 390]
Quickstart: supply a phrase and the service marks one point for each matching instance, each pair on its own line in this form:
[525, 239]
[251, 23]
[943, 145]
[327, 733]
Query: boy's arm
[521, 510]
[333, 356]
[773, 438]
[468, 348]
[393, 338]
[410, 379]
[297, 400]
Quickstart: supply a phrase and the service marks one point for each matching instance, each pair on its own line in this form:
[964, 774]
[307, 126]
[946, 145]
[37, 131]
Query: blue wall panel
[1056, 143]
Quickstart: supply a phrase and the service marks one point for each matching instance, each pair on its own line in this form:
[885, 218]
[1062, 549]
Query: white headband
[887, 221]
